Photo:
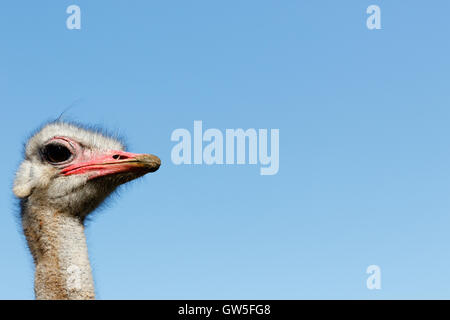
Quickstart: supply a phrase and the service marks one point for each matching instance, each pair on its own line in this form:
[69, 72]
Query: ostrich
[67, 172]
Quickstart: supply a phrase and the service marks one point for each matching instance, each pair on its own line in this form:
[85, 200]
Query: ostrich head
[70, 168]
[67, 172]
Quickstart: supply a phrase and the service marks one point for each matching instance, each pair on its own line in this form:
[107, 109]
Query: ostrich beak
[114, 162]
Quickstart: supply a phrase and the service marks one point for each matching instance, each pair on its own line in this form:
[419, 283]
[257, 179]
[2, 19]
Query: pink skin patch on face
[105, 163]
[101, 163]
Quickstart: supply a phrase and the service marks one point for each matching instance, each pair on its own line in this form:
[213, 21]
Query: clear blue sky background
[364, 143]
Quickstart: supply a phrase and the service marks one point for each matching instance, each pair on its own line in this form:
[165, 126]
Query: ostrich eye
[56, 153]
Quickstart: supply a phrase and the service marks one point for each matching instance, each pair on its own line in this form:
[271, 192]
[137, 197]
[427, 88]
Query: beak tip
[152, 162]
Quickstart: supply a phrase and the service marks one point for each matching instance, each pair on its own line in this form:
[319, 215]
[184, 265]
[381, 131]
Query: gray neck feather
[58, 245]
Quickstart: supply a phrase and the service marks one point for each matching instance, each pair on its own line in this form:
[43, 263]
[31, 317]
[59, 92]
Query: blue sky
[364, 154]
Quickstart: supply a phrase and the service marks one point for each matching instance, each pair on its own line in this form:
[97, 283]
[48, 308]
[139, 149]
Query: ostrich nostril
[119, 157]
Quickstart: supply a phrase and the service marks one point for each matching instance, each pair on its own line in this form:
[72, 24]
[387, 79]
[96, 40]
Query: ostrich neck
[58, 245]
